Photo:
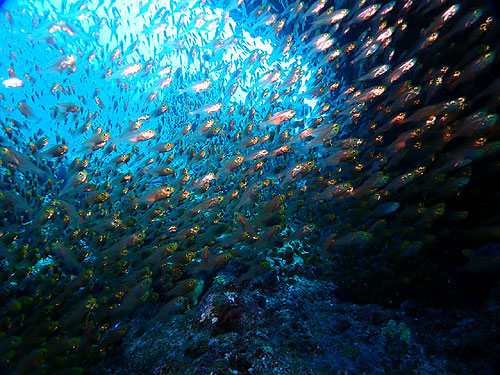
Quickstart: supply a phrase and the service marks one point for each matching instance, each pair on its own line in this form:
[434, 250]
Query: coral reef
[294, 325]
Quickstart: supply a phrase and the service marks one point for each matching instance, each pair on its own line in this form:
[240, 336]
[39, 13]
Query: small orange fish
[26, 110]
[20, 161]
[97, 141]
[56, 151]
[163, 147]
[158, 194]
[183, 288]
[230, 166]
[136, 137]
[63, 63]
[97, 197]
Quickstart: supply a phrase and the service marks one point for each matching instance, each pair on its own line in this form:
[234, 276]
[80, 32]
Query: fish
[279, 117]
[197, 87]
[26, 110]
[56, 151]
[64, 63]
[207, 109]
[137, 136]
[127, 71]
[22, 162]
[148, 152]
[13, 82]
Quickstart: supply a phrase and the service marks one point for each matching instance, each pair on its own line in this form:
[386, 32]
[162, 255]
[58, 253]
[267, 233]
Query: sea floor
[297, 325]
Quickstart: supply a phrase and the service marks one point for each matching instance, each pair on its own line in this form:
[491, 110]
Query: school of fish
[365, 144]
